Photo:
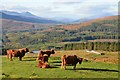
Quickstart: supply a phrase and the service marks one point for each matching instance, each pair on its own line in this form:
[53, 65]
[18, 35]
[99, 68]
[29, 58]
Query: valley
[24, 34]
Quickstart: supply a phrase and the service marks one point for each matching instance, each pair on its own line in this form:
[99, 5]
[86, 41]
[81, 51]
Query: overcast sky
[63, 9]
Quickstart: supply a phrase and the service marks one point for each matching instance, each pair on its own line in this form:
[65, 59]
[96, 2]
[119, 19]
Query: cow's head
[80, 60]
[26, 50]
[42, 52]
[52, 51]
[13, 53]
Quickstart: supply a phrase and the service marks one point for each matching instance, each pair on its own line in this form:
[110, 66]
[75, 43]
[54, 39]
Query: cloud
[73, 9]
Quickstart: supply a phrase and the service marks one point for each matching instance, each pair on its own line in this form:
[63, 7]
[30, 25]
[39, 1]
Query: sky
[63, 9]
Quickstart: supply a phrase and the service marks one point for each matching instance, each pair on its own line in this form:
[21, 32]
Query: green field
[88, 69]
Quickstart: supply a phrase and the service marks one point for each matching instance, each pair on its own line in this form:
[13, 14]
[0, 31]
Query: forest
[104, 46]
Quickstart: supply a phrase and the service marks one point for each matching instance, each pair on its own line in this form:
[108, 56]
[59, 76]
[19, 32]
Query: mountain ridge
[13, 24]
[26, 17]
[85, 24]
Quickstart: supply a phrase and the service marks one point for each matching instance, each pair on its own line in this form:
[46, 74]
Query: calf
[43, 65]
[70, 60]
[43, 58]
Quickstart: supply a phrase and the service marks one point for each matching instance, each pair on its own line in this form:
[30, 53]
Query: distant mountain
[81, 20]
[28, 14]
[73, 21]
[9, 12]
[23, 14]
[65, 20]
[25, 17]
[89, 23]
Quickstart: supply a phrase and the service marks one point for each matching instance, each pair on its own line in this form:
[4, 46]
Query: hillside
[12, 25]
[41, 36]
[9, 25]
[102, 28]
[88, 23]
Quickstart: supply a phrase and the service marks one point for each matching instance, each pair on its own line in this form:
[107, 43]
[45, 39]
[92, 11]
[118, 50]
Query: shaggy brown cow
[70, 60]
[41, 53]
[17, 53]
[43, 58]
[48, 52]
[43, 65]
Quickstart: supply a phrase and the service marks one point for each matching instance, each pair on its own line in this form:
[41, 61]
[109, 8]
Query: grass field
[88, 69]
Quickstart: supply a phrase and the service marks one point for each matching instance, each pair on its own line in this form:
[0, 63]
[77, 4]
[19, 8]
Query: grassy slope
[28, 68]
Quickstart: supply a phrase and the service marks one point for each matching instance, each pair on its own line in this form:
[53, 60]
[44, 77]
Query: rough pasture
[88, 69]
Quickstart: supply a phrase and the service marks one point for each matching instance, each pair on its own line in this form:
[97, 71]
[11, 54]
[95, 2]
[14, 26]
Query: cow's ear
[12, 50]
[75, 56]
[41, 51]
[52, 51]
[27, 50]
[80, 60]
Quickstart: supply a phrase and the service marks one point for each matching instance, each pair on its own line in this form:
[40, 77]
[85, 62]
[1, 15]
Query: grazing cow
[42, 53]
[43, 58]
[70, 60]
[43, 65]
[48, 52]
[17, 53]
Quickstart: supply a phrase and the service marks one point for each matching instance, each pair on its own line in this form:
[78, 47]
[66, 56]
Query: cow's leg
[20, 58]
[7, 56]
[10, 57]
[62, 65]
[36, 58]
[39, 65]
[74, 67]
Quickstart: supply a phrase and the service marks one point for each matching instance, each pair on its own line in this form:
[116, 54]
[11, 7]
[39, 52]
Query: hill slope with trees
[102, 28]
